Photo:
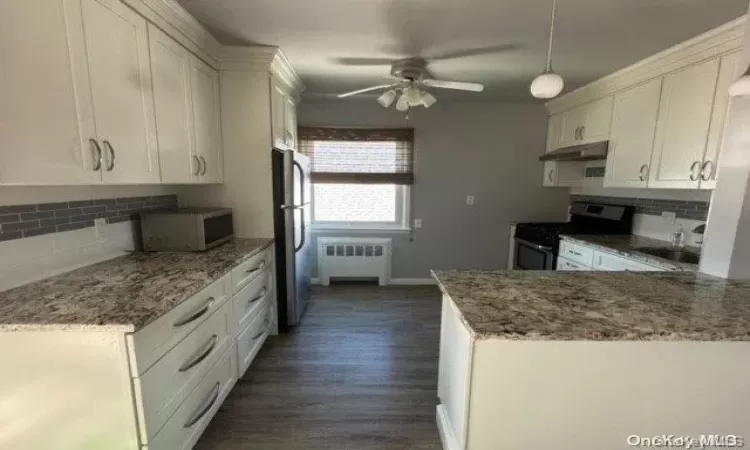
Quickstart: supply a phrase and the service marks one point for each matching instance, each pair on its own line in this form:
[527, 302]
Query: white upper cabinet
[171, 68]
[205, 83]
[587, 123]
[290, 120]
[682, 128]
[115, 46]
[557, 174]
[283, 117]
[632, 135]
[39, 132]
[572, 124]
[727, 72]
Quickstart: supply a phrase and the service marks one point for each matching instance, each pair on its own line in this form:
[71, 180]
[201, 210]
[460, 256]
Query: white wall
[486, 149]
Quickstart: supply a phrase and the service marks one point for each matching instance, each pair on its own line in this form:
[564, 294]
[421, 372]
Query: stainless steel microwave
[186, 229]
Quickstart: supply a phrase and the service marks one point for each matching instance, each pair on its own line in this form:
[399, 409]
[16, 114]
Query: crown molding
[721, 40]
[261, 59]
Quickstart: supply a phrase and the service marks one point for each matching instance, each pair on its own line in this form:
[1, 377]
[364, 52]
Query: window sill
[318, 229]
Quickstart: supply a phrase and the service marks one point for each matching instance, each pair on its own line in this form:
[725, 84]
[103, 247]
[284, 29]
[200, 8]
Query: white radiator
[354, 257]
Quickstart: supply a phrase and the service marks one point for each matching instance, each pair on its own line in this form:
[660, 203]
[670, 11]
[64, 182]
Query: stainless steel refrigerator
[291, 198]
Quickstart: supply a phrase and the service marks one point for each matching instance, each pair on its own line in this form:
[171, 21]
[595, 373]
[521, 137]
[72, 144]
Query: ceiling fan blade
[473, 52]
[363, 61]
[459, 85]
[362, 91]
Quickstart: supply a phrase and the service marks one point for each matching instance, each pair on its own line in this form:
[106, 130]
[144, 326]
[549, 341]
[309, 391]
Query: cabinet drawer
[154, 341]
[577, 253]
[250, 340]
[249, 301]
[566, 264]
[611, 262]
[183, 429]
[168, 382]
[245, 272]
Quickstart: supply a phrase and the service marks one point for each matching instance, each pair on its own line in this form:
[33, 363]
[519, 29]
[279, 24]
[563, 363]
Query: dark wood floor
[360, 372]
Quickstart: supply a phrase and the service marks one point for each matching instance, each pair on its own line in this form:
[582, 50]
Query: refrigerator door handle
[295, 206]
[302, 197]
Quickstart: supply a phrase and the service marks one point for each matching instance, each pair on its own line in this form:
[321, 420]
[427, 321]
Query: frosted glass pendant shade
[387, 98]
[403, 103]
[547, 85]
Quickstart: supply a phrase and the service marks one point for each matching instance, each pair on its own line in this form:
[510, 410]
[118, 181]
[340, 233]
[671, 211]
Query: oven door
[530, 256]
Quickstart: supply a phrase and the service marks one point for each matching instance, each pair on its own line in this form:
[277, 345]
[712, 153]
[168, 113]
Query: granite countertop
[122, 294]
[626, 245]
[599, 306]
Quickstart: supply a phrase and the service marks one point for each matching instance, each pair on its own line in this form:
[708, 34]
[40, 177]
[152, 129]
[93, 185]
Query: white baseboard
[444, 428]
[397, 281]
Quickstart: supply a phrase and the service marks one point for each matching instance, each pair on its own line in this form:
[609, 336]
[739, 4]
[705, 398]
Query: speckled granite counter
[599, 306]
[121, 294]
[626, 246]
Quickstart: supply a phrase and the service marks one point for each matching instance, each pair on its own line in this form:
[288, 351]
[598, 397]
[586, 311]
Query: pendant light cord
[551, 32]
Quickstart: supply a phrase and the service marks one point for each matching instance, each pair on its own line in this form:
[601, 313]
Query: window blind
[359, 155]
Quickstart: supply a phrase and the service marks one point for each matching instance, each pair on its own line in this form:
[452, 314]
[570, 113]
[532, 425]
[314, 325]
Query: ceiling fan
[412, 78]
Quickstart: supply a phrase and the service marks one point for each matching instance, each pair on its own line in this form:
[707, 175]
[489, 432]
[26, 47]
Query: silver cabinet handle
[205, 166]
[262, 294]
[197, 165]
[210, 345]
[549, 175]
[644, 172]
[260, 267]
[694, 176]
[98, 157]
[111, 155]
[583, 130]
[265, 322]
[575, 134]
[196, 315]
[574, 253]
[208, 403]
[710, 166]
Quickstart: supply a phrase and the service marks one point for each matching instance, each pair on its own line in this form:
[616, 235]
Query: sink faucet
[678, 237]
[700, 229]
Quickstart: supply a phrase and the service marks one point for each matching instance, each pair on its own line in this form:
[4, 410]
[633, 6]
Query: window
[360, 177]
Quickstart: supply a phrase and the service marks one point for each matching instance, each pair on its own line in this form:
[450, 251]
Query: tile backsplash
[694, 210]
[25, 221]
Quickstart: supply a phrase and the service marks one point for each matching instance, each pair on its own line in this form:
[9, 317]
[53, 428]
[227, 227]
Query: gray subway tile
[13, 209]
[37, 215]
[94, 209]
[11, 236]
[105, 201]
[84, 218]
[53, 206]
[69, 212]
[53, 222]
[81, 203]
[17, 226]
[8, 218]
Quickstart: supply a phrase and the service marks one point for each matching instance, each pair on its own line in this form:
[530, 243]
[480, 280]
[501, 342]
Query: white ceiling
[593, 37]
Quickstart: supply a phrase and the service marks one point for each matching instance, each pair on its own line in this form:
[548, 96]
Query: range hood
[584, 152]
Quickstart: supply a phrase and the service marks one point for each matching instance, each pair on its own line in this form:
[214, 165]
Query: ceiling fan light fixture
[413, 96]
[428, 99]
[547, 85]
[741, 86]
[387, 98]
[403, 103]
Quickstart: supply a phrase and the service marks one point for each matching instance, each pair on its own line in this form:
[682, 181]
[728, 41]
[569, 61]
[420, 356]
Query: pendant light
[741, 86]
[387, 98]
[548, 84]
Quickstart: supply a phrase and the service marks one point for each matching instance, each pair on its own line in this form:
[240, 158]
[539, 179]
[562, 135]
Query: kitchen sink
[672, 254]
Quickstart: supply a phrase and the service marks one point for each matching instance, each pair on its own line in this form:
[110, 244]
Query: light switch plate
[668, 217]
[417, 223]
[100, 224]
[469, 199]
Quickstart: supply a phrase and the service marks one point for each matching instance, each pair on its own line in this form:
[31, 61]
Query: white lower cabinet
[252, 338]
[611, 262]
[575, 256]
[566, 264]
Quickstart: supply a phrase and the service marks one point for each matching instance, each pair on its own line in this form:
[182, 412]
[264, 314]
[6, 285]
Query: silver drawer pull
[207, 404]
[196, 315]
[260, 296]
[204, 354]
[574, 253]
[260, 267]
[265, 322]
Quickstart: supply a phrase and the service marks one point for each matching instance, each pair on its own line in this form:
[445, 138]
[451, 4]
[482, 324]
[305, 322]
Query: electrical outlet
[100, 224]
[469, 199]
[668, 217]
[417, 223]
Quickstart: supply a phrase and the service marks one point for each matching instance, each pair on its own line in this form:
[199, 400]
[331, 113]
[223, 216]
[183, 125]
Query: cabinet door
[555, 132]
[290, 121]
[682, 129]
[597, 120]
[573, 122]
[39, 127]
[631, 138]
[278, 115]
[205, 82]
[727, 73]
[170, 69]
[116, 46]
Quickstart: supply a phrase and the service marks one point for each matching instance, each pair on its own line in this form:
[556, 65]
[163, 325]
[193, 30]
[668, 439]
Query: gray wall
[484, 149]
